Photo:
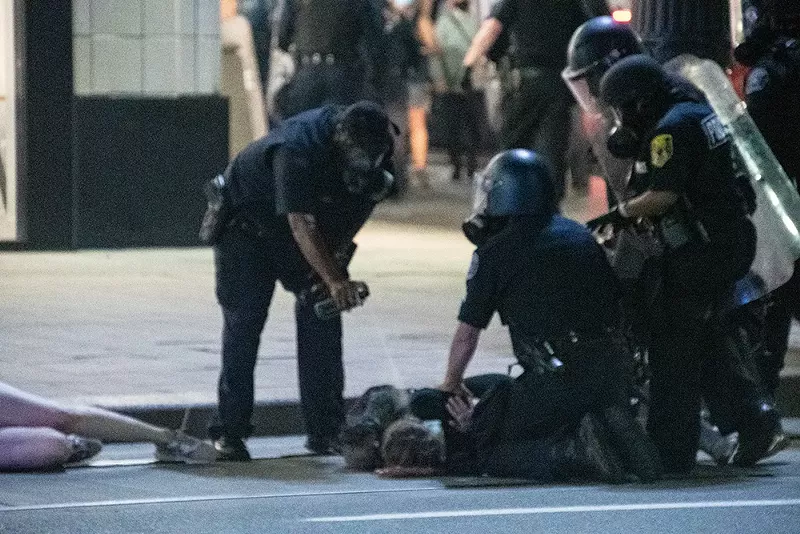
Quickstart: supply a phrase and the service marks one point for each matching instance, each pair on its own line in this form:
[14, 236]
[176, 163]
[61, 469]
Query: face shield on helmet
[476, 226]
[515, 182]
[596, 45]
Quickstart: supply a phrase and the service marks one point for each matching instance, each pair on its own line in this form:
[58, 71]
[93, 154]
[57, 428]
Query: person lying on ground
[40, 434]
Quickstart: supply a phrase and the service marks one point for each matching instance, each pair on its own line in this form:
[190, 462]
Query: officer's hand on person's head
[348, 294]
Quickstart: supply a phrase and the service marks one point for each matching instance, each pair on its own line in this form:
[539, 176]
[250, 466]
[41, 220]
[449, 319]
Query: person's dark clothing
[773, 101]
[404, 64]
[550, 283]
[293, 169]
[688, 153]
[259, 14]
[462, 116]
[545, 278]
[536, 112]
[337, 44]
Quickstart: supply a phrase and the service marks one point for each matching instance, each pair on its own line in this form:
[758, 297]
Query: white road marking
[199, 498]
[556, 510]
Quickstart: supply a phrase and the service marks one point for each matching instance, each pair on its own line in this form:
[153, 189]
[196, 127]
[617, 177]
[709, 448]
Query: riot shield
[777, 213]
[597, 124]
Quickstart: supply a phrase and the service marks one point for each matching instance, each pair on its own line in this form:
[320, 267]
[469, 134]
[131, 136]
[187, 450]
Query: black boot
[758, 434]
[636, 449]
[587, 454]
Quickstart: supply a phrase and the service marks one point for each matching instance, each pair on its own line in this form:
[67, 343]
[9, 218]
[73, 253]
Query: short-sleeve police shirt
[294, 169]
[542, 281]
[688, 153]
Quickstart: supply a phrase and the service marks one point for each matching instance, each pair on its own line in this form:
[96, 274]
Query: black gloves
[613, 217]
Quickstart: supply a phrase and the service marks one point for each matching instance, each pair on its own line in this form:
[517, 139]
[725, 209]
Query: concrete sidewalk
[139, 329]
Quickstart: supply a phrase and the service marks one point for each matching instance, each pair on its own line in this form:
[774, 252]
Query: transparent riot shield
[597, 124]
[777, 213]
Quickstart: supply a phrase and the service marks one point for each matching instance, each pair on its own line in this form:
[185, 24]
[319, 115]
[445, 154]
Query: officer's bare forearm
[648, 204]
[462, 349]
[311, 244]
[488, 33]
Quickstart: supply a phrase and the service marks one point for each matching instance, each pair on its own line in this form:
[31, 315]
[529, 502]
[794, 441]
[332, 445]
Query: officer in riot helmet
[550, 283]
[772, 49]
[685, 183]
[596, 45]
[290, 204]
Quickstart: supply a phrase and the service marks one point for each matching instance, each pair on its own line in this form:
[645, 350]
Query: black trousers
[537, 116]
[247, 269]
[461, 111]
[684, 337]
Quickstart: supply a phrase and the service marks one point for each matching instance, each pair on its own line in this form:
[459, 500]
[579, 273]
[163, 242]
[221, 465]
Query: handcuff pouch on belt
[536, 356]
[217, 210]
[680, 226]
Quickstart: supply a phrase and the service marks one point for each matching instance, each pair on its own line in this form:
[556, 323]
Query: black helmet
[515, 182]
[596, 45]
[631, 79]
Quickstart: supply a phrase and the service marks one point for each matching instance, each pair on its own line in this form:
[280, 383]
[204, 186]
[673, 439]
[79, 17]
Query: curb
[284, 417]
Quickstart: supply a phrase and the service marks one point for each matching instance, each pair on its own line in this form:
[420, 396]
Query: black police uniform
[338, 47]
[773, 101]
[710, 243]
[293, 169]
[536, 114]
[551, 284]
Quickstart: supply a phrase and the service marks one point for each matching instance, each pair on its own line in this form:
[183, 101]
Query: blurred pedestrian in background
[338, 46]
[405, 66]
[420, 95]
[537, 106]
[260, 15]
[455, 28]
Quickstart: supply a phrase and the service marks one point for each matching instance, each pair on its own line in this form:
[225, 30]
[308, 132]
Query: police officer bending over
[295, 199]
[551, 284]
[686, 185]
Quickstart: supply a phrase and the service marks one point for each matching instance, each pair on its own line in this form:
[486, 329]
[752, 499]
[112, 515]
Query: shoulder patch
[715, 132]
[473, 266]
[757, 80]
[661, 150]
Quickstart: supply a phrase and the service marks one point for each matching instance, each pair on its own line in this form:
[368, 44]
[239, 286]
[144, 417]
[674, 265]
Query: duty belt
[319, 58]
[551, 355]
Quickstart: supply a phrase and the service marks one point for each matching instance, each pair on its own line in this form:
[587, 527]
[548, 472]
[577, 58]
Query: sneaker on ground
[82, 448]
[185, 448]
[231, 450]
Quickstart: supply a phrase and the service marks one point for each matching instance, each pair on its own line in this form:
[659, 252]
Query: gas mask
[480, 226]
[625, 138]
[362, 162]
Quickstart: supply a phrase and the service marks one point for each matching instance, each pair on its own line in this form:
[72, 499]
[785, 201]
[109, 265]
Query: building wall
[146, 47]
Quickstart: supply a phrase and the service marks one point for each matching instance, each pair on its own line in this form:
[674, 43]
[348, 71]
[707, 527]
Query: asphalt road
[280, 493]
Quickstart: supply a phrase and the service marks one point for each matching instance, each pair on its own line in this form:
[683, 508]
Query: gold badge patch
[660, 150]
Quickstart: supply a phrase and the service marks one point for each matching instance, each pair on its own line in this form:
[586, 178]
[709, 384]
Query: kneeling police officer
[292, 203]
[550, 283]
